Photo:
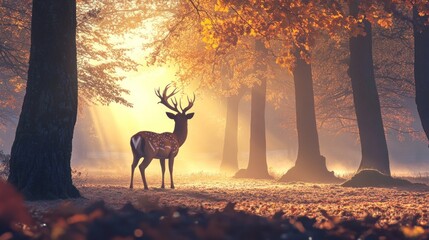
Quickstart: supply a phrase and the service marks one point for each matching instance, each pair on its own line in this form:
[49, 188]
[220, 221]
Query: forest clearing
[340, 212]
[264, 197]
[255, 108]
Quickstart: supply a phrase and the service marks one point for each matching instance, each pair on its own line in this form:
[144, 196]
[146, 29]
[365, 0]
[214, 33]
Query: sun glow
[102, 140]
[113, 125]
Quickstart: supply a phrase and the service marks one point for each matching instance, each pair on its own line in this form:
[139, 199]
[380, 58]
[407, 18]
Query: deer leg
[133, 167]
[162, 161]
[170, 168]
[142, 167]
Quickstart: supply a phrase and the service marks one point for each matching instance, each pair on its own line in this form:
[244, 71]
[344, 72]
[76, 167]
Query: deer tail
[137, 144]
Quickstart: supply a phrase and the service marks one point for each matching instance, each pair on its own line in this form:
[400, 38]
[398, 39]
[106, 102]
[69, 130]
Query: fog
[102, 135]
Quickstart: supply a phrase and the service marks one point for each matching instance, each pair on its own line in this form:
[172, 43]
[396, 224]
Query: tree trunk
[421, 68]
[308, 138]
[258, 150]
[230, 144]
[310, 166]
[366, 100]
[40, 156]
[257, 167]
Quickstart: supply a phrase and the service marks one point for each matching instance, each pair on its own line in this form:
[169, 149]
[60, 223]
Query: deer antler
[190, 104]
[164, 98]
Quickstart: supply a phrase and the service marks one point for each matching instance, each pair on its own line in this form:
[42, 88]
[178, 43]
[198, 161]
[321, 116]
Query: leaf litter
[217, 207]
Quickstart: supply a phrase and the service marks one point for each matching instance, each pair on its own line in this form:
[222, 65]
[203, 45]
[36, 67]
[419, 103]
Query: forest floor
[260, 197]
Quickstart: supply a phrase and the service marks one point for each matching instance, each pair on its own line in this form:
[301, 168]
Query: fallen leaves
[290, 211]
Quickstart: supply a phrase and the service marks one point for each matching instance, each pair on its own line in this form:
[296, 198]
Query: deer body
[150, 145]
[154, 145]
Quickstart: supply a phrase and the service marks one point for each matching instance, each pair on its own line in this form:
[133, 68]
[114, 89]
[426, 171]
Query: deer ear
[170, 115]
[190, 115]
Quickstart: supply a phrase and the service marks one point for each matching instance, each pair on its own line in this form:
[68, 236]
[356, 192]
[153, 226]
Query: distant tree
[310, 166]
[230, 144]
[229, 161]
[41, 152]
[257, 166]
[289, 30]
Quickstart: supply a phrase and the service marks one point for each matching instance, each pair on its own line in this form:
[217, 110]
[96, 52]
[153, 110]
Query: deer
[150, 145]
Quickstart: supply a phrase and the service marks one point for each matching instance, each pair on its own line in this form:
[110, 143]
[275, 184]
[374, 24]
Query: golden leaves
[208, 34]
[385, 22]
[221, 6]
[285, 61]
[294, 23]
[226, 29]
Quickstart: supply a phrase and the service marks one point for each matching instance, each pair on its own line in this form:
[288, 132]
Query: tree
[257, 166]
[99, 58]
[41, 152]
[289, 30]
[393, 69]
[415, 13]
[100, 53]
[310, 166]
[421, 65]
[367, 104]
[103, 30]
[229, 163]
[230, 144]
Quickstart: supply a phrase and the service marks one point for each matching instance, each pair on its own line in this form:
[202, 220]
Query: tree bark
[366, 100]
[421, 68]
[257, 166]
[40, 156]
[230, 144]
[310, 166]
[308, 138]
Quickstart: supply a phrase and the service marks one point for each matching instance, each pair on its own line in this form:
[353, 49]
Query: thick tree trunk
[421, 68]
[40, 157]
[310, 166]
[230, 144]
[366, 100]
[257, 167]
[308, 138]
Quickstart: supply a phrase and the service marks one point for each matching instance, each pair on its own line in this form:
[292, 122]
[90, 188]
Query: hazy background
[102, 135]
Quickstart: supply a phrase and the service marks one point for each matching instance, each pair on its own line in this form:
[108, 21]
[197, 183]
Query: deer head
[180, 116]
